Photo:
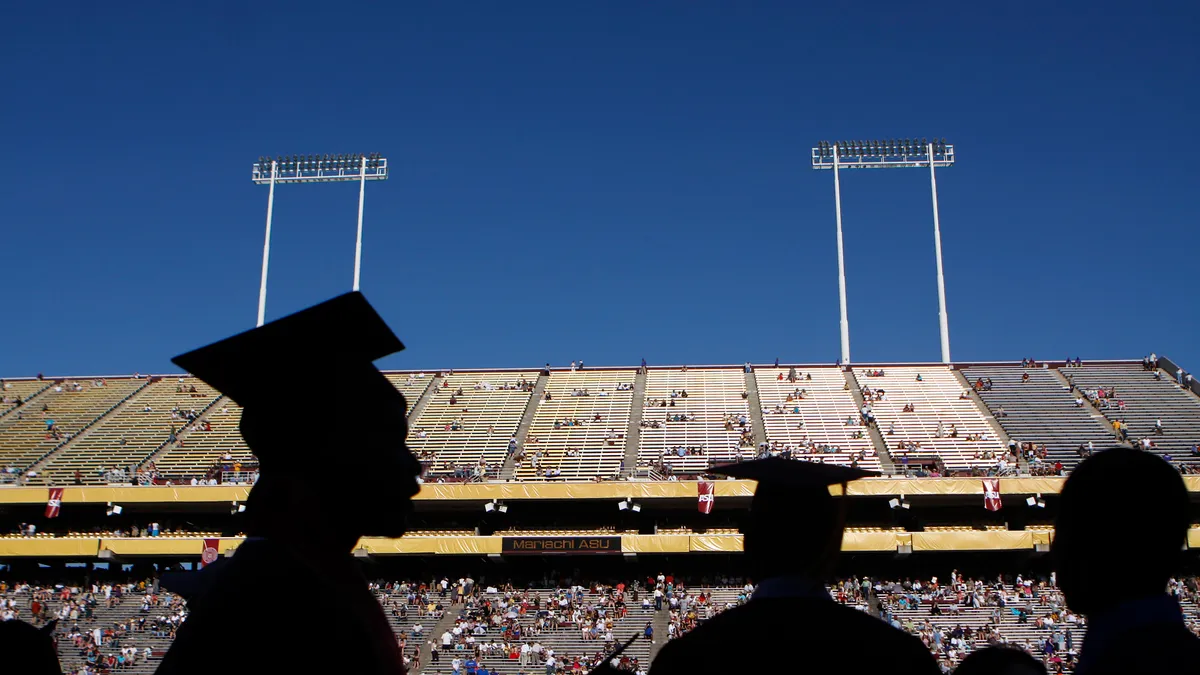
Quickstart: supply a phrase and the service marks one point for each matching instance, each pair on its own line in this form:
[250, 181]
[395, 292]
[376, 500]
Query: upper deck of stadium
[614, 423]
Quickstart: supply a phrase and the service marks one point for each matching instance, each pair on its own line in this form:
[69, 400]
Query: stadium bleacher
[817, 418]
[1146, 398]
[465, 620]
[692, 418]
[412, 385]
[942, 422]
[470, 436]
[61, 412]
[125, 438]
[14, 393]
[1039, 409]
[205, 445]
[578, 432]
[572, 436]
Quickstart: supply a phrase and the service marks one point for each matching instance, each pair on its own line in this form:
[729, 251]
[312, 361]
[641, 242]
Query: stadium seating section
[70, 406]
[577, 427]
[1146, 399]
[694, 431]
[1041, 410]
[578, 430]
[477, 427]
[818, 417]
[937, 404]
[1031, 615]
[129, 435]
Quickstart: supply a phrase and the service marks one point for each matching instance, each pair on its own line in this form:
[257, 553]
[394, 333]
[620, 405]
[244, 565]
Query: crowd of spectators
[88, 645]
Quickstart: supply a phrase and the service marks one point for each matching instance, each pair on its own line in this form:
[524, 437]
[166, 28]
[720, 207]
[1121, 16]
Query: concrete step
[756, 414]
[11, 413]
[633, 434]
[423, 400]
[183, 433]
[535, 399]
[886, 464]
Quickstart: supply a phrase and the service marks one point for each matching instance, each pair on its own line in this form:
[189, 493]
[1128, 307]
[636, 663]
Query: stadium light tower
[315, 169]
[887, 154]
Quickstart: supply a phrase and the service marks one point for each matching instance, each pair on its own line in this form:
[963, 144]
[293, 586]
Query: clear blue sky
[600, 180]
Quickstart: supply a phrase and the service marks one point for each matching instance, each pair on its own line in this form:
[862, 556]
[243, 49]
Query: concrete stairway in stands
[661, 621]
[633, 434]
[26, 400]
[539, 391]
[756, 416]
[1069, 387]
[886, 464]
[423, 401]
[184, 432]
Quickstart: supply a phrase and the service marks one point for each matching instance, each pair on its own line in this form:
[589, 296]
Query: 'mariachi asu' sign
[561, 545]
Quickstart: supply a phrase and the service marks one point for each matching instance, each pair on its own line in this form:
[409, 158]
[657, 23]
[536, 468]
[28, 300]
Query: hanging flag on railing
[991, 494]
[209, 555]
[706, 497]
[54, 503]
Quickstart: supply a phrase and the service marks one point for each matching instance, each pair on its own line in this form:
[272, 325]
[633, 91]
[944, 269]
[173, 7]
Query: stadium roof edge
[782, 364]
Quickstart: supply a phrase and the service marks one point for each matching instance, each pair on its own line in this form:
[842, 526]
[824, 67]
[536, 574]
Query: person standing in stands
[302, 527]
[1134, 626]
[791, 558]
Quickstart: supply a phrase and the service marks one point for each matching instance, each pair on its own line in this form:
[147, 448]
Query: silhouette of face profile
[1119, 493]
[388, 489]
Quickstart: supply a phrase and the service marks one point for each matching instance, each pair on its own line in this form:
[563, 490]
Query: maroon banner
[991, 494]
[209, 555]
[706, 497]
[54, 503]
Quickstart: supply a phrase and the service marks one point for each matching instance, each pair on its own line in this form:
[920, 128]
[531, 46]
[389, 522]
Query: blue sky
[602, 181]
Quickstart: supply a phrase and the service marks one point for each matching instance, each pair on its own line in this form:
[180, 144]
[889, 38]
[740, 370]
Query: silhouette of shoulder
[818, 635]
[250, 632]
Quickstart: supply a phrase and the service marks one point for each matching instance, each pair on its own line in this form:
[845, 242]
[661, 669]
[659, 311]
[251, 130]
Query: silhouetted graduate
[328, 430]
[792, 539]
[28, 650]
[1122, 523]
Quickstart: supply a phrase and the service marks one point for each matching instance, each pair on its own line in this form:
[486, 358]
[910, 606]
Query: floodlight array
[320, 168]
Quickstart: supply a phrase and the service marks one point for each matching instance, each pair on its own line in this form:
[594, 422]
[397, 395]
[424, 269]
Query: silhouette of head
[1115, 493]
[795, 525]
[1000, 661]
[314, 408]
[28, 650]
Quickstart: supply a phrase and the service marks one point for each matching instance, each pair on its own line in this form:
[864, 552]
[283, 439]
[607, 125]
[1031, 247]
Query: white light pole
[262, 287]
[888, 154]
[837, 199]
[943, 320]
[362, 191]
[316, 169]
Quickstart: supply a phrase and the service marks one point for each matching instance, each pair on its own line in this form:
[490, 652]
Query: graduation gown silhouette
[267, 607]
[794, 635]
[1145, 636]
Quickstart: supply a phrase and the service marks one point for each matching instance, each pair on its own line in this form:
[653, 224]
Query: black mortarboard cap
[331, 345]
[792, 474]
[342, 334]
[789, 486]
